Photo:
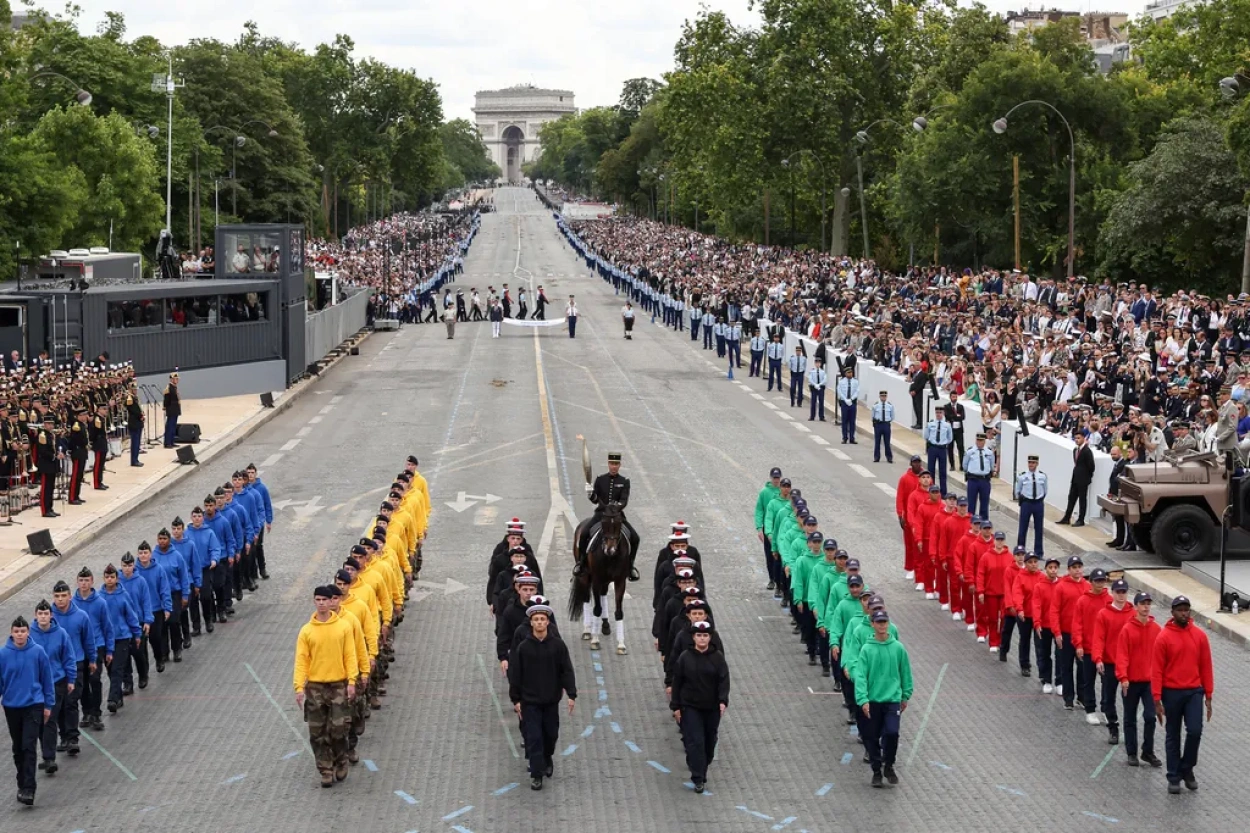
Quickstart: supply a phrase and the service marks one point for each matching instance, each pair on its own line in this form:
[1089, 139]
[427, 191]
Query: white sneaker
[980, 638]
[946, 607]
[958, 617]
[930, 596]
[1059, 690]
[972, 626]
[1047, 688]
[919, 586]
[993, 649]
[1092, 719]
[909, 575]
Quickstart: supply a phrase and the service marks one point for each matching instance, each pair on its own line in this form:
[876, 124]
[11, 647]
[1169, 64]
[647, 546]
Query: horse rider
[607, 489]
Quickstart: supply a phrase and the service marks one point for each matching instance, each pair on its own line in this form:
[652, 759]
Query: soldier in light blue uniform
[758, 345]
[776, 352]
[695, 317]
[938, 435]
[978, 469]
[817, 381]
[882, 427]
[679, 313]
[1030, 491]
[733, 341]
[848, 403]
[719, 331]
[798, 370]
[709, 324]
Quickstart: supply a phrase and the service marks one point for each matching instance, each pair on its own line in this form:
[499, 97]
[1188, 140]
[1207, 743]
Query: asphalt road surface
[216, 743]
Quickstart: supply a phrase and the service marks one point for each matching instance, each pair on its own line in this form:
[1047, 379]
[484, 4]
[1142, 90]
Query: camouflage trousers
[327, 711]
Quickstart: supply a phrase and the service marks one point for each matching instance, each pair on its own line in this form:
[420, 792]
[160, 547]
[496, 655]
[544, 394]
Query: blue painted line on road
[928, 712]
[1009, 790]
[406, 797]
[594, 655]
[1101, 817]
[460, 828]
[755, 813]
[690, 785]
[602, 711]
[455, 814]
[854, 732]
[234, 779]
[784, 823]
[506, 788]
[659, 766]
[846, 759]
[616, 727]
[603, 694]
[588, 731]
[1098, 769]
[572, 747]
[824, 790]
[631, 746]
[598, 679]
[288, 756]
[370, 765]
[598, 666]
[940, 765]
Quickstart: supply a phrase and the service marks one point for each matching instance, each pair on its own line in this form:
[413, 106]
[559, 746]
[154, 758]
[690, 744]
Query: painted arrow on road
[448, 587]
[462, 502]
[488, 497]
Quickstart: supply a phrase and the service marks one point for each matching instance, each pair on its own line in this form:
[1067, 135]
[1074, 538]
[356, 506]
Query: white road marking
[758, 396]
[337, 399]
[800, 426]
[272, 459]
[841, 455]
[304, 432]
[819, 440]
[769, 405]
[860, 470]
[327, 409]
[315, 420]
[290, 446]
[887, 488]
[784, 415]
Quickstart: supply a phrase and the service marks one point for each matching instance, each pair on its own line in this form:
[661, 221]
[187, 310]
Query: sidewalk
[1164, 583]
[224, 423]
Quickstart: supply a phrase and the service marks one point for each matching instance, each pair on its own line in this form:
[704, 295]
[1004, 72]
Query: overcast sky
[588, 46]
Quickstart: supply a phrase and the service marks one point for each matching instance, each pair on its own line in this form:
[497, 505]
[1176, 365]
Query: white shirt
[570, 311]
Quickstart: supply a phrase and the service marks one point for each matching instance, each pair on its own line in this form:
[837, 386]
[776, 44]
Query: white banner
[517, 322]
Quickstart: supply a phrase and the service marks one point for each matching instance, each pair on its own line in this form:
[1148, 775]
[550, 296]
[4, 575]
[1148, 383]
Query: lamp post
[824, 182]
[1000, 127]
[80, 95]
[238, 140]
[862, 137]
[167, 85]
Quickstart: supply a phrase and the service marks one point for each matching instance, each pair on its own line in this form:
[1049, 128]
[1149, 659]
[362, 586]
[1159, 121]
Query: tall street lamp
[862, 137]
[1000, 127]
[824, 182]
[238, 141]
[167, 85]
[80, 95]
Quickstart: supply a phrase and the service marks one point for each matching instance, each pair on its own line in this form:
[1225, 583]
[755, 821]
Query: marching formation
[1087, 637]
[344, 650]
[85, 649]
[841, 621]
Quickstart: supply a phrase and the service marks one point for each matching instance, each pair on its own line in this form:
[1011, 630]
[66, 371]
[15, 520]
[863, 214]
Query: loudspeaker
[186, 455]
[355, 351]
[266, 400]
[1024, 423]
[188, 432]
[40, 542]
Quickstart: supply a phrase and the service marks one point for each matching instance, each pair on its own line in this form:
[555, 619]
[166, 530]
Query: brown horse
[607, 562]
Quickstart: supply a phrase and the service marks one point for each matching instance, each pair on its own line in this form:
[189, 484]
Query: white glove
[589, 488]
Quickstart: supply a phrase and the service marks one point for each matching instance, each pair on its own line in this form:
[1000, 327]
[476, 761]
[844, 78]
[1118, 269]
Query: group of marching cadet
[343, 653]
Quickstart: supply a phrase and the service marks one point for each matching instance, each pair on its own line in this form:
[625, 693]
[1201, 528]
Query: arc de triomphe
[509, 121]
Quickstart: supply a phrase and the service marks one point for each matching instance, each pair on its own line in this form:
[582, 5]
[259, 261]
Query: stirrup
[633, 574]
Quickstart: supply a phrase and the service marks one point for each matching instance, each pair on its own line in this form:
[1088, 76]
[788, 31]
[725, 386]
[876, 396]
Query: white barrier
[1055, 453]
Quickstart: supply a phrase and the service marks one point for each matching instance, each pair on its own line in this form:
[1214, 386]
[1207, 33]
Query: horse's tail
[578, 596]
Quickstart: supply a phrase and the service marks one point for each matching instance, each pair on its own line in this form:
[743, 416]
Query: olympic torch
[586, 462]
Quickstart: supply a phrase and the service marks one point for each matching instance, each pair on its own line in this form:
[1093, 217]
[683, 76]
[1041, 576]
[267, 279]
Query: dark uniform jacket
[700, 680]
[609, 489]
[173, 405]
[683, 640]
[134, 413]
[539, 670]
[523, 631]
[97, 433]
[45, 452]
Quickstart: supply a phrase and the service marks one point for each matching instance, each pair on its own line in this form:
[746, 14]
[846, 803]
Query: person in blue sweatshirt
[137, 589]
[92, 603]
[28, 695]
[230, 546]
[254, 484]
[127, 632]
[239, 524]
[207, 554]
[84, 642]
[250, 500]
[178, 570]
[47, 634]
[160, 597]
[178, 540]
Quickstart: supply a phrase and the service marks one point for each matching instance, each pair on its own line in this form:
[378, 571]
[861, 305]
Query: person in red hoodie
[1019, 603]
[918, 495]
[1180, 676]
[1043, 636]
[1134, 657]
[992, 584]
[1068, 590]
[977, 551]
[906, 485]
[922, 523]
[1087, 608]
[1107, 625]
[962, 555]
[954, 525]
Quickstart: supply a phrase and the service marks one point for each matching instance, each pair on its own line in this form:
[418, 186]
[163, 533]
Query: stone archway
[514, 153]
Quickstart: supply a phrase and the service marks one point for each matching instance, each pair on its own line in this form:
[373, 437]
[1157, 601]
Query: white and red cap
[679, 537]
[680, 526]
[516, 526]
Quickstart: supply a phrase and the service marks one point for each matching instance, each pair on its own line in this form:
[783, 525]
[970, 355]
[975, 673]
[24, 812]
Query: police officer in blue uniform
[798, 369]
[978, 469]
[938, 436]
[719, 332]
[758, 345]
[776, 352]
[817, 381]
[1030, 491]
[709, 324]
[848, 402]
[882, 428]
[733, 340]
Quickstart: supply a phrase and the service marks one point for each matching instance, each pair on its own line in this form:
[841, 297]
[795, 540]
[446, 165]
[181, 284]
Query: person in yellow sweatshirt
[357, 612]
[326, 670]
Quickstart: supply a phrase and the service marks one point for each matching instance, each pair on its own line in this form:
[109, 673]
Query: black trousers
[1063, 676]
[67, 719]
[540, 728]
[49, 728]
[25, 723]
[1044, 644]
[92, 687]
[258, 555]
[1087, 683]
[1139, 694]
[174, 628]
[1010, 625]
[699, 730]
[119, 668]
[1078, 497]
[1106, 700]
[880, 733]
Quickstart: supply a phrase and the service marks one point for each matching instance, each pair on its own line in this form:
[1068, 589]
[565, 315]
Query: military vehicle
[1174, 506]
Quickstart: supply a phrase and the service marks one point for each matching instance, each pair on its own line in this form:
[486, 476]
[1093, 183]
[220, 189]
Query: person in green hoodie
[852, 607]
[779, 503]
[829, 571]
[883, 686]
[803, 580]
[771, 490]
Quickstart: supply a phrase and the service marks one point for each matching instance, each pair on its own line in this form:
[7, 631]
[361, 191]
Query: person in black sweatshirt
[700, 696]
[539, 671]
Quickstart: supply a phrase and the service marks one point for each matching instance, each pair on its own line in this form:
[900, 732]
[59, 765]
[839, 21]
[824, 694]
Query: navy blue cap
[1075, 560]
[934, 488]
[852, 564]
[811, 520]
[961, 501]
[815, 536]
[854, 581]
[1098, 574]
[785, 481]
[1032, 556]
[916, 458]
[1142, 597]
[1119, 585]
[880, 616]
[796, 493]
[830, 544]
[987, 524]
[1181, 600]
[1019, 549]
[776, 472]
[1000, 536]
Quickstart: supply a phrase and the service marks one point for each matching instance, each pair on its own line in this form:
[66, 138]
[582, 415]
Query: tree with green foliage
[466, 153]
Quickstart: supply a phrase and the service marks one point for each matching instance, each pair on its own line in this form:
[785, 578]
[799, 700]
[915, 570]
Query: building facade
[509, 121]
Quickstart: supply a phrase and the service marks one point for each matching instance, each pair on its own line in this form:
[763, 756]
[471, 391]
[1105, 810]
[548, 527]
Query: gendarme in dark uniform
[134, 424]
[612, 487]
[173, 410]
